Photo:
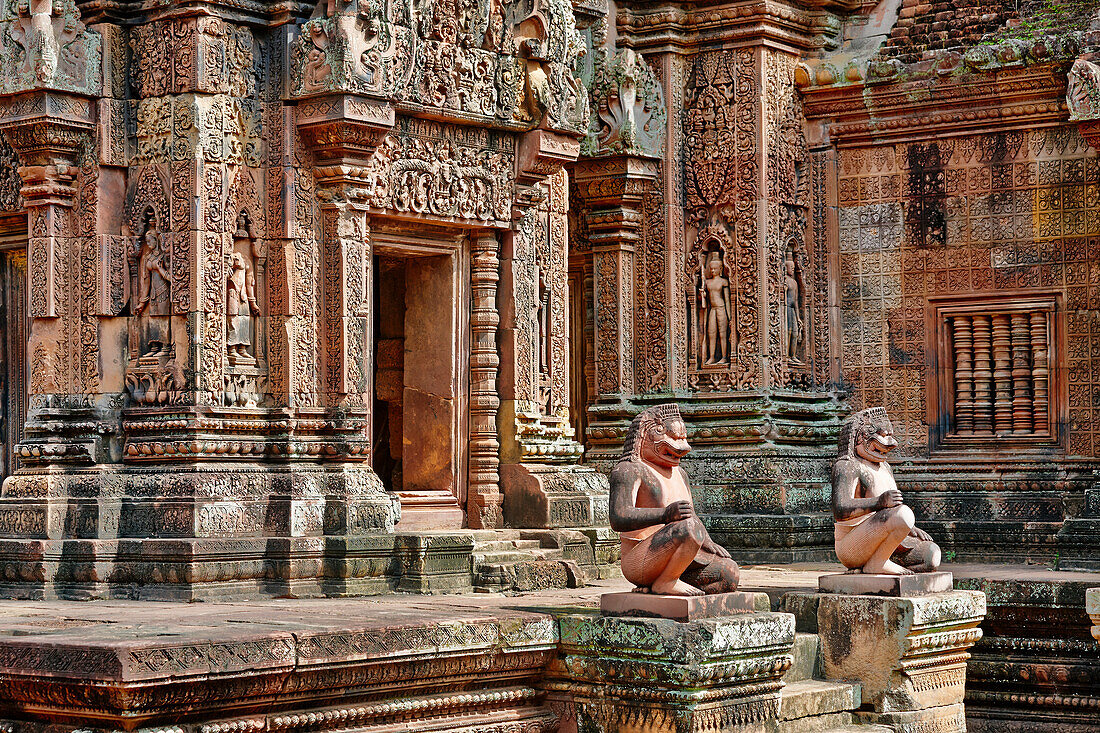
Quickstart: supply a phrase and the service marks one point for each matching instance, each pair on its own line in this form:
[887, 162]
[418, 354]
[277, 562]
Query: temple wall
[981, 220]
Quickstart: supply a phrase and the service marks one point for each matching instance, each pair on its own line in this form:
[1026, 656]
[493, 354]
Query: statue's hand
[677, 511]
[921, 535]
[889, 499]
[715, 549]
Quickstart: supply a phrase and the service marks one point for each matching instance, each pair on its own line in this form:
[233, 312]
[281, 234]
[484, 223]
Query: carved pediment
[510, 61]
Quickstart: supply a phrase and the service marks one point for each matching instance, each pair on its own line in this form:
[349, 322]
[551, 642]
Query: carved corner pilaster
[611, 190]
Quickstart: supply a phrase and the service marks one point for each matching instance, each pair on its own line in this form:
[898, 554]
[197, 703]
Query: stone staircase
[812, 705]
[523, 561]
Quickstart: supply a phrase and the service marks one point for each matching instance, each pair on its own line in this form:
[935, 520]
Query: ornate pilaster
[485, 497]
[49, 69]
[342, 131]
[613, 189]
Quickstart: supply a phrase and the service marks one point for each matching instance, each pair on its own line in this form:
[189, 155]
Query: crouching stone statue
[874, 531]
[665, 548]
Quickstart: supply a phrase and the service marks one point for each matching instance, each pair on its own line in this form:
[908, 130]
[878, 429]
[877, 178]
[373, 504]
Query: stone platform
[875, 584]
[478, 662]
[681, 608]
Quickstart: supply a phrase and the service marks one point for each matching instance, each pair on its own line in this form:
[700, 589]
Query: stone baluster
[964, 375]
[983, 376]
[484, 485]
[1022, 421]
[1002, 375]
[1040, 373]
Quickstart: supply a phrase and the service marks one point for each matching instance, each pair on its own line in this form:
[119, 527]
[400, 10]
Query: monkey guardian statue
[874, 531]
[666, 549]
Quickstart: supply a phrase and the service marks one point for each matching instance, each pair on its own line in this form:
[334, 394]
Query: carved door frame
[403, 239]
[14, 329]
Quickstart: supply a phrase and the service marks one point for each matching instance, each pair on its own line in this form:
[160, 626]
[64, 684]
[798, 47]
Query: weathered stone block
[682, 608]
[868, 584]
[908, 653]
[655, 675]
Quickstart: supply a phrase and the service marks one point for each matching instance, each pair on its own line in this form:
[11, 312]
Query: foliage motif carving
[183, 55]
[10, 182]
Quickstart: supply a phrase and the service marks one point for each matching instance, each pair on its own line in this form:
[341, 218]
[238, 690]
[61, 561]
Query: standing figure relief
[716, 312]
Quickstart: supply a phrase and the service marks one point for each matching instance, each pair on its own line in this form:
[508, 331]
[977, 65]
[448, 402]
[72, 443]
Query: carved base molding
[980, 510]
[541, 497]
[659, 675]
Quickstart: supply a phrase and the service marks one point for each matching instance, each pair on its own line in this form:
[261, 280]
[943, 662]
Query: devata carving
[43, 44]
[151, 289]
[875, 532]
[510, 61]
[665, 547]
[794, 306]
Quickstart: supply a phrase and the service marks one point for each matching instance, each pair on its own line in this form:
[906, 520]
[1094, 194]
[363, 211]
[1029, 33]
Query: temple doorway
[13, 348]
[420, 372]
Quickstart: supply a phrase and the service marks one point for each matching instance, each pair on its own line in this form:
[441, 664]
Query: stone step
[818, 723]
[858, 728]
[805, 658]
[505, 545]
[809, 698]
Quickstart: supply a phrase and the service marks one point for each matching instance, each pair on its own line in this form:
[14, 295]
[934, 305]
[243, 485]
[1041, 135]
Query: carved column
[52, 134]
[1040, 372]
[1022, 420]
[613, 189]
[485, 497]
[343, 132]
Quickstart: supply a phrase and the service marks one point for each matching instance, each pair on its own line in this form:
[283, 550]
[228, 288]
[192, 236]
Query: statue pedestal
[682, 608]
[867, 584]
[908, 653]
[1092, 608]
[661, 676]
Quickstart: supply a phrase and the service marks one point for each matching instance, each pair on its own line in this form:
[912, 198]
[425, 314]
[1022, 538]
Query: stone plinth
[908, 653]
[682, 608]
[659, 675]
[1092, 607]
[868, 584]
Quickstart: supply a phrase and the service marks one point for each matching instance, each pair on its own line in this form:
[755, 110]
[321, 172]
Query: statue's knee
[902, 516]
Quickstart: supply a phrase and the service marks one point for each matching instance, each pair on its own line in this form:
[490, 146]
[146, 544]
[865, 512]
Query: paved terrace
[130, 621]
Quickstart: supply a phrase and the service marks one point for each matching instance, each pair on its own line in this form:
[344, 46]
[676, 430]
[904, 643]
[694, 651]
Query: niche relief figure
[793, 305]
[241, 306]
[715, 312]
[151, 289]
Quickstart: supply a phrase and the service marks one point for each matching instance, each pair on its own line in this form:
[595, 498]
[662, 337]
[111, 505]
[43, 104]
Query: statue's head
[714, 268]
[657, 436]
[867, 434]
